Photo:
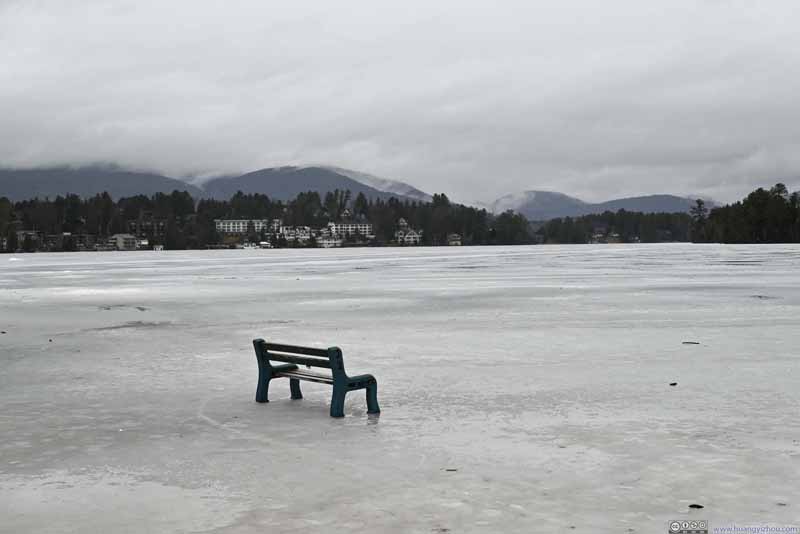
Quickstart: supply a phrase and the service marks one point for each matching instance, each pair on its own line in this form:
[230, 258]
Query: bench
[293, 356]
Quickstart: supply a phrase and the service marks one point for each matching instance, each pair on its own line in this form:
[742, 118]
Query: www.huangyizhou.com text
[756, 529]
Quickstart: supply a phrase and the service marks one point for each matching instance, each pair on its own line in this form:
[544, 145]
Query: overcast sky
[476, 99]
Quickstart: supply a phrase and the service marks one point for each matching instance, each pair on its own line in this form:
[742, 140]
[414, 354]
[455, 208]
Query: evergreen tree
[252, 236]
[699, 214]
[12, 243]
[361, 206]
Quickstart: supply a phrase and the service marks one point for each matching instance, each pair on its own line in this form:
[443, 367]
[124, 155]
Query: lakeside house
[122, 242]
[147, 225]
[30, 236]
[405, 235]
[454, 240]
[300, 234]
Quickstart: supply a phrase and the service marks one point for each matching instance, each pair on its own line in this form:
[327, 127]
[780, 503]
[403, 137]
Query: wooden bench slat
[299, 360]
[293, 349]
[311, 377]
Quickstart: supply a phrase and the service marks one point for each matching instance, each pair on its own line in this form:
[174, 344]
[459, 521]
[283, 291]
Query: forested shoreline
[177, 221]
[764, 216]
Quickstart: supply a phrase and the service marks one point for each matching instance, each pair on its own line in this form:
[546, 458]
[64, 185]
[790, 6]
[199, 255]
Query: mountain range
[281, 183]
[285, 183]
[545, 205]
[23, 184]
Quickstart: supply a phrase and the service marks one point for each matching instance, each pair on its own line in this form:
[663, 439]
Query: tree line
[623, 226]
[177, 221]
[764, 216]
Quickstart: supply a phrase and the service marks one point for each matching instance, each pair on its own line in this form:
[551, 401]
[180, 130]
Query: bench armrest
[360, 378]
[284, 367]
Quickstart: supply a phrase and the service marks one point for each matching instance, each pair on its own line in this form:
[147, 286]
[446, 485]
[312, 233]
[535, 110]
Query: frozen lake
[523, 389]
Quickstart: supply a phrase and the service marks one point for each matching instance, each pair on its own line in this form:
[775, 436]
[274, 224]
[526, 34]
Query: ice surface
[540, 374]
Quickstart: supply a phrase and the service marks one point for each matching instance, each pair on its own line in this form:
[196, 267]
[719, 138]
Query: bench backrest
[330, 358]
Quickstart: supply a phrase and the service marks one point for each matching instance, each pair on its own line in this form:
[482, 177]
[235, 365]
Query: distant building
[413, 237]
[68, 241]
[105, 246]
[288, 233]
[296, 233]
[409, 237]
[31, 235]
[329, 242]
[302, 233]
[454, 240]
[83, 242]
[350, 228]
[147, 226]
[405, 235]
[240, 226]
[122, 242]
[60, 241]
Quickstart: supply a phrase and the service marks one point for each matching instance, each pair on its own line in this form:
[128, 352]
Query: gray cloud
[476, 99]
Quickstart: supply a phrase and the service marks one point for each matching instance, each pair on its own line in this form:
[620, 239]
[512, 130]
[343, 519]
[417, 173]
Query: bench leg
[262, 390]
[337, 402]
[372, 398]
[294, 386]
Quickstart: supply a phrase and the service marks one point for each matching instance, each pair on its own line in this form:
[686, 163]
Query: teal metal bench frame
[330, 358]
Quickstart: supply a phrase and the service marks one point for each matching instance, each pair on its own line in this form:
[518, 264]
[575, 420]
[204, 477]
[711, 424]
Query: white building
[122, 242]
[329, 242]
[296, 233]
[411, 237]
[405, 235]
[351, 228]
[239, 226]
